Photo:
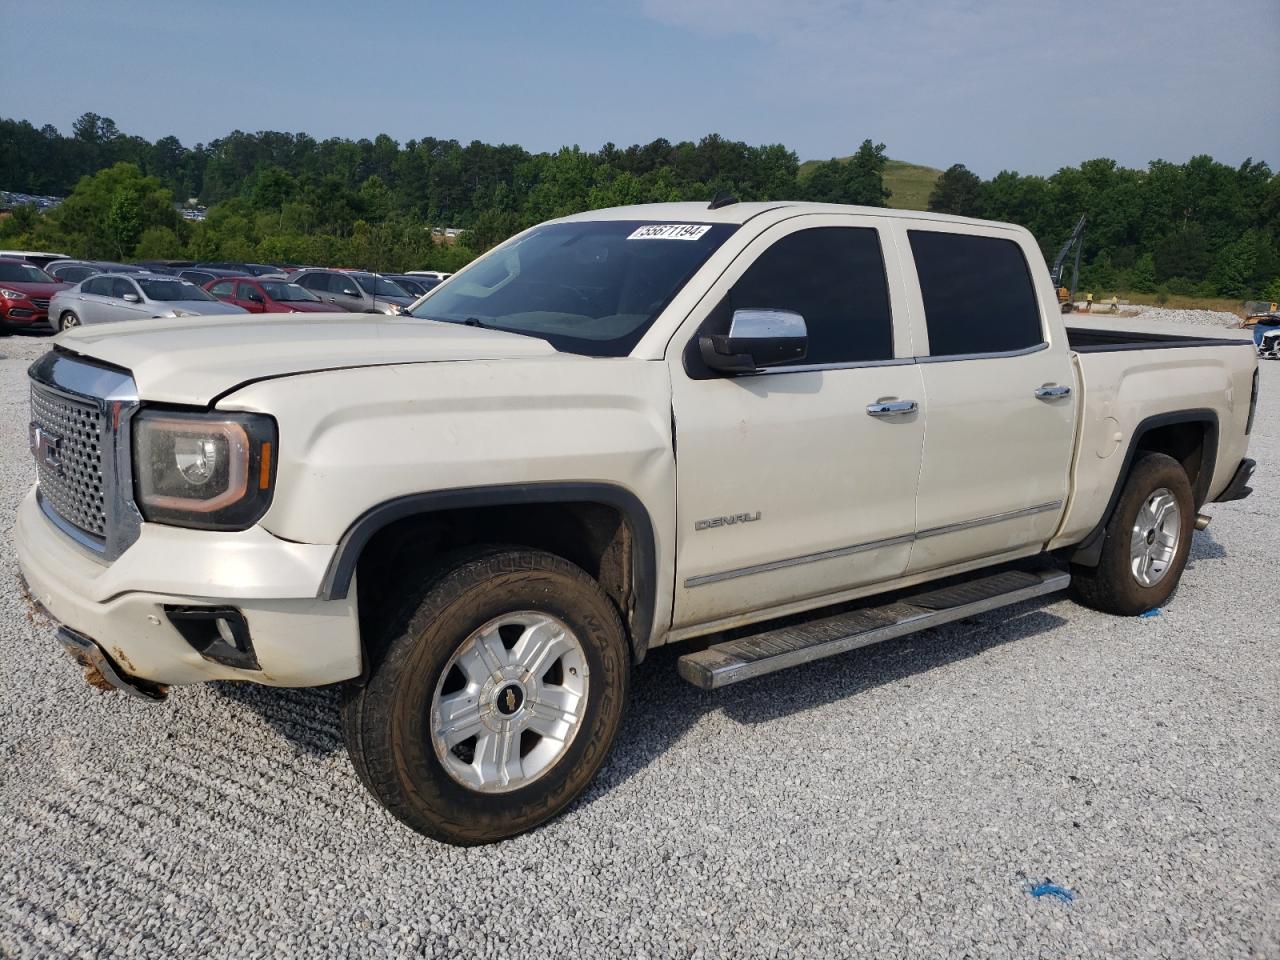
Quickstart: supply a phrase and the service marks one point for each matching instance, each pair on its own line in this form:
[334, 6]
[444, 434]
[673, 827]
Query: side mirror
[349, 292]
[756, 339]
[131, 298]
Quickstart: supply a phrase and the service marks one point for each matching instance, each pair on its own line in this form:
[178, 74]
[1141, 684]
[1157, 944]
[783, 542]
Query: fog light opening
[219, 634]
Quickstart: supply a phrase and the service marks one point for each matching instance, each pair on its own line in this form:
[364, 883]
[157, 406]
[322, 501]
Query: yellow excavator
[1067, 296]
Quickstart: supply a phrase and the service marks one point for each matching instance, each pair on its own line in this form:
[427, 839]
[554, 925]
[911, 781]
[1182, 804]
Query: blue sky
[1030, 85]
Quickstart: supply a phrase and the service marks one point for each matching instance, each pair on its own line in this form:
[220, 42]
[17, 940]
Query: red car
[261, 295]
[25, 291]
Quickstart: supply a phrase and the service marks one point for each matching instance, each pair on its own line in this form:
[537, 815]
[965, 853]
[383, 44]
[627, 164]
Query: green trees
[1195, 226]
[957, 191]
[858, 180]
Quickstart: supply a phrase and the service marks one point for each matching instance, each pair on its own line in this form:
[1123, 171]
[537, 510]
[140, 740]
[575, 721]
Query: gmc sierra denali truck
[793, 429]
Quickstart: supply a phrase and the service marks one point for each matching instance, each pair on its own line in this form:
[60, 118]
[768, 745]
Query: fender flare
[1089, 550]
[644, 564]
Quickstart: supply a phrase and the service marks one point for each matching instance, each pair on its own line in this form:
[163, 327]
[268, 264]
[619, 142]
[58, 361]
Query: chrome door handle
[891, 408]
[1051, 391]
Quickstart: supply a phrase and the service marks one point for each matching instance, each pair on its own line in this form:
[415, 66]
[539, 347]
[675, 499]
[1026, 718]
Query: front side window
[121, 288]
[835, 278]
[173, 290]
[978, 296]
[587, 287]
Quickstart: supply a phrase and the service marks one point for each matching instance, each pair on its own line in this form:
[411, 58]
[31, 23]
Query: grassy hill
[909, 183]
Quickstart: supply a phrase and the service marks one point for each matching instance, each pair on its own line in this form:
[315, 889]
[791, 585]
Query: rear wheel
[494, 700]
[1146, 541]
[68, 320]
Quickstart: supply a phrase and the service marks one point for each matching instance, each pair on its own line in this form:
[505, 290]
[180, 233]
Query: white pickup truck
[793, 429]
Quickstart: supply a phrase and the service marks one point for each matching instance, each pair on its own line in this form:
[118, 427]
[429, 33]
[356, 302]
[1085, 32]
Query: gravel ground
[896, 801]
[1203, 318]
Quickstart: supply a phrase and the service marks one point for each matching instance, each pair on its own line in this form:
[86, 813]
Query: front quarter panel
[351, 440]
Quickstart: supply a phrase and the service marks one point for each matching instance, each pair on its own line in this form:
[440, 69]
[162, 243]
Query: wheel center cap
[510, 699]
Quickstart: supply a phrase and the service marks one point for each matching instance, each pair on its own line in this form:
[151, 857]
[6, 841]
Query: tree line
[1198, 227]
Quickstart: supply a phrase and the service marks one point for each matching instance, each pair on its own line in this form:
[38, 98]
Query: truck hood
[192, 360]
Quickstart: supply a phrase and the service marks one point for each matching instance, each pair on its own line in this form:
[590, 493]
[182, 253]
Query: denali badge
[46, 447]
[725, 521]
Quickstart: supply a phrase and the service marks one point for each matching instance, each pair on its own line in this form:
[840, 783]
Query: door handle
[1051, 391]
[891, 408]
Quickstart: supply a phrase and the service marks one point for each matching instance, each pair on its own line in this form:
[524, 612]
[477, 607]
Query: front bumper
[24, 314]
[298, 639]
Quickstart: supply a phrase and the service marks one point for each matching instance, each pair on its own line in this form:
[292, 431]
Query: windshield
[279, 290]
[379, 286]
[584, 287]
[23, 273]
[173, 290]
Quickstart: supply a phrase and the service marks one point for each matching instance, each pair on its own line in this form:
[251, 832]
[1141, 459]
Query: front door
[788, 487]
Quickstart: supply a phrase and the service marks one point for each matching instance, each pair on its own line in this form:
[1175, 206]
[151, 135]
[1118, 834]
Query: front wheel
[1146, 541]
[67, 321]
[495, 698]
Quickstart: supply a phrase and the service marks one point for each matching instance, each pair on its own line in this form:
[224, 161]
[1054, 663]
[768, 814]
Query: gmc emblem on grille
[46, 447]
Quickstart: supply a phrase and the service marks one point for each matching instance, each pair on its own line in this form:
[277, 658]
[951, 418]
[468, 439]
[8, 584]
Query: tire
[495, 602]
[67, 320]
[1124, 582]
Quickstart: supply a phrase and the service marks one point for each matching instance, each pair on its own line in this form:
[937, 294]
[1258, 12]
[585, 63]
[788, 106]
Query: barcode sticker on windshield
[670, 231]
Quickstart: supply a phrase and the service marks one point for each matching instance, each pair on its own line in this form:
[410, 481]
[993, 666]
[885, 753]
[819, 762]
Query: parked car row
[70, 292]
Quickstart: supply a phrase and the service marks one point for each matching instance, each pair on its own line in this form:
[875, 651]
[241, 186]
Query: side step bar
[747, 657]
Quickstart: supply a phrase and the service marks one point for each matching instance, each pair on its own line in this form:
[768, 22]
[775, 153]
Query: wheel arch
[1189, 436]
[625, 559]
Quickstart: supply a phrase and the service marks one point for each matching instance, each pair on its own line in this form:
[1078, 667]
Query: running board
[747, 657]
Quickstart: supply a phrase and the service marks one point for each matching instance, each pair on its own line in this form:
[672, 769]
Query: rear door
[787, 487]
[93, 300]
[997, 380]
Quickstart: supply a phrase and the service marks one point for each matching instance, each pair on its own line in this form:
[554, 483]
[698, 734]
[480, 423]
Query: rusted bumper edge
[101, 671]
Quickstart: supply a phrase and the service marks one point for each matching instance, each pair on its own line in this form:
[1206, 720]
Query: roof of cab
[740, 213]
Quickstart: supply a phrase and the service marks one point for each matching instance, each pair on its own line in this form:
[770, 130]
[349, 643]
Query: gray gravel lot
[897, 801]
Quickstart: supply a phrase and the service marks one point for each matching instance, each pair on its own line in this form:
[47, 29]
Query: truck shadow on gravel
[663, 706]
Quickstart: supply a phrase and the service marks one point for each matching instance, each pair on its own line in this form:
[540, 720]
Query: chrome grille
[41, 302]
[69, 462]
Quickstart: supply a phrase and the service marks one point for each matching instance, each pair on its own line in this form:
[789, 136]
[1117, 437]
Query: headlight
[212, 471]
[393, 308]
[12, 294]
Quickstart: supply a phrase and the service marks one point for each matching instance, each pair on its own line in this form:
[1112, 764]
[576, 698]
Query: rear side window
[977, 291]
[222, 288]
[834, 277]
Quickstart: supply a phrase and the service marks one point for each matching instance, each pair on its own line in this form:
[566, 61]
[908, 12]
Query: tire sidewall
[430, 643]
[1149, 475]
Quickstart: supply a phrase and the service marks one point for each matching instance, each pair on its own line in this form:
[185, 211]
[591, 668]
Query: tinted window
[101, 286]
[834, 277]
[249, 292]
[121, 287]
[75, 274]
[315, 281]
[978, 296]
[195, 276]
[222, 289]
[378, 286]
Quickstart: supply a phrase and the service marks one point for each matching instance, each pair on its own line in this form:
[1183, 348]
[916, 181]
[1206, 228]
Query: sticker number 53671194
[669, 231]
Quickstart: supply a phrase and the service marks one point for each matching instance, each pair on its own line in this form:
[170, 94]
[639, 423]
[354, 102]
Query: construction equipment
[1067, 296]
